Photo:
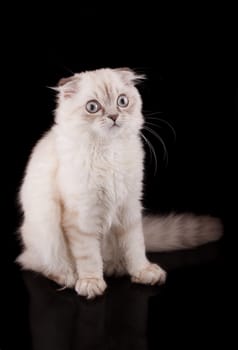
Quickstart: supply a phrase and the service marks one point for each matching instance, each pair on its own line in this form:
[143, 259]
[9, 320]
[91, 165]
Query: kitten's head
[103, 102]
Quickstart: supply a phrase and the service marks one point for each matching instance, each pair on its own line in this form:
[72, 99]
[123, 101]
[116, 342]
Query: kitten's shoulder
[45, 147]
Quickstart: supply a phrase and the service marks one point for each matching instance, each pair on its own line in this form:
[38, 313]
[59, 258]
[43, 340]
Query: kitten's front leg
[132, 242]
[86, 250]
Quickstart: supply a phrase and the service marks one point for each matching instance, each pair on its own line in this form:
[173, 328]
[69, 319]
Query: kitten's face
[104, 102]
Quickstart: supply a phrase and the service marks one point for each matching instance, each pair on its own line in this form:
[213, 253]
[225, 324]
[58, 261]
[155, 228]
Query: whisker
[158, 126]
[165, 122]
[161, 141]
[145, 139]
[152, 151]
[151, 113]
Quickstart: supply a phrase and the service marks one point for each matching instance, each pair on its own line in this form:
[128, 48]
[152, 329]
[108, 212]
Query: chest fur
[106, 176]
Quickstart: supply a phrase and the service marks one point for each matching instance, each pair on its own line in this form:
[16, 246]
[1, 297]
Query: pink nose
[113, 117]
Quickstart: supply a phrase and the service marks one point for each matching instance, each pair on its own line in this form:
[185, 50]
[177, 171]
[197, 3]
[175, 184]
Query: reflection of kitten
[81, 195]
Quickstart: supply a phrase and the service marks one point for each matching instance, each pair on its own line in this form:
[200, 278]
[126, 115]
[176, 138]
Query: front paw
[152, 274]
[90, 287]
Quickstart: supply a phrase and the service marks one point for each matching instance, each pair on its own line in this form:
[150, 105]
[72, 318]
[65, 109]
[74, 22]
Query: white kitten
[81, 195]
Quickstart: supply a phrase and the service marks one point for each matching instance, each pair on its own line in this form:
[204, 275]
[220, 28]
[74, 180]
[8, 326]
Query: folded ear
[67, 87]
[129, 76]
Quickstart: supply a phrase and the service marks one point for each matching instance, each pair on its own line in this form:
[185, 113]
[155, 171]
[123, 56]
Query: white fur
[81, 194]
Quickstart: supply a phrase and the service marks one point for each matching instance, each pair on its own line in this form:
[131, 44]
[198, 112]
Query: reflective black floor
[187, 311]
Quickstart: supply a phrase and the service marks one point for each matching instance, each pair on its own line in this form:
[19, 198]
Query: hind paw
[152, 274]
[64, 279]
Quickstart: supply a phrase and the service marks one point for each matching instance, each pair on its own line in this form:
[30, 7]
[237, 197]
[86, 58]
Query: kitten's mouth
[114, 125]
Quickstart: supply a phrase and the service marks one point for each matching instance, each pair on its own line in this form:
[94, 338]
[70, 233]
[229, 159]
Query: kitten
[81, 194]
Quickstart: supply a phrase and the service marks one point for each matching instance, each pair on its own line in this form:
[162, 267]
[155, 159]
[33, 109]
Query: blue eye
[93, 106]
[122, 101]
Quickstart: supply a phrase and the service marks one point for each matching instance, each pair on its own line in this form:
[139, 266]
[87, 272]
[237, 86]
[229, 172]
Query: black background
[190, 64]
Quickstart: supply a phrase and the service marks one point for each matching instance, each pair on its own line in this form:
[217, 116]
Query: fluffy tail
[183, 231]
